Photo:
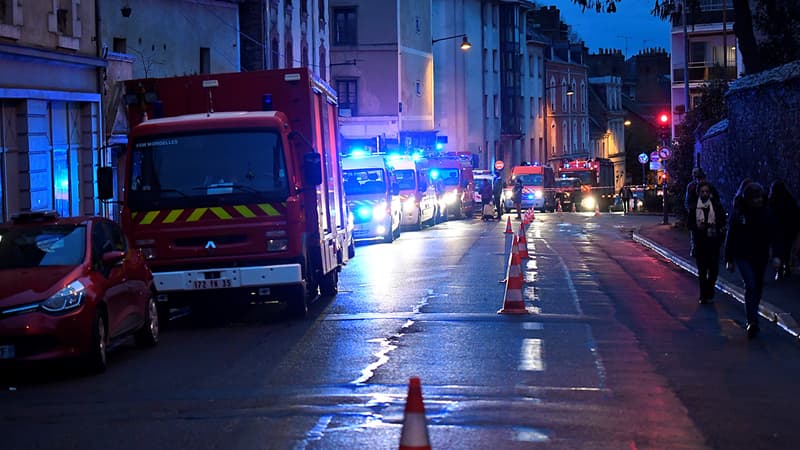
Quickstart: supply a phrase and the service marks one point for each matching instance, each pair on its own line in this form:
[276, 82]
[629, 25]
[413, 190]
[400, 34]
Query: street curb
[766, 310]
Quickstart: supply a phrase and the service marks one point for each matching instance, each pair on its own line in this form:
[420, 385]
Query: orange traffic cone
[574, 209]
[523, 245]
[508, 226]
[512, 301]
[558, 207]
[596, 209]
[415, 430]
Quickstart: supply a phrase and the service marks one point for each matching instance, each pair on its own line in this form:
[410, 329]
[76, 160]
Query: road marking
[531, 355]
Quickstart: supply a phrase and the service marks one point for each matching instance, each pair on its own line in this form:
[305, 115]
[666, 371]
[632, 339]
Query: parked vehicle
[481, 175]
[417, 195]
[538, 188]
[453, 180]
[235, 184]
[374, 197]
[597, 179]
[68, 287]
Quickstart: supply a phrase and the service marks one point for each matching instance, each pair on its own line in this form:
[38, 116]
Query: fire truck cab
[537, 191]
[234, 184]
[454, 183]
[373, 196]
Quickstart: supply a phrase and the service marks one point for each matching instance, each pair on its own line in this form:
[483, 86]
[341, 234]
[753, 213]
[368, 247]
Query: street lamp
[465, 45]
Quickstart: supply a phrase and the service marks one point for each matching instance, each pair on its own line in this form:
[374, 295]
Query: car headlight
[588, 203]
[538, 193]
[379, 212]
[508, 194]
[67, 298]
[364, 212]
[410, 204]
[450, 197]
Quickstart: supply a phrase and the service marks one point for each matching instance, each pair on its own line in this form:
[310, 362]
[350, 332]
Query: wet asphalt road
[616, 354]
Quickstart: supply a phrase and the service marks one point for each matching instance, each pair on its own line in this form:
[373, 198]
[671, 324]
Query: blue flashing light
[364, 212]
[358, 153]
[416, 156]
[530, 196]
[434, 174]
[439, 146]
[394, 156]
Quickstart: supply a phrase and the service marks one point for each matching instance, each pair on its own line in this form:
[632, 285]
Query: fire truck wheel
[459, 213]
[296, 306]
[329, 285]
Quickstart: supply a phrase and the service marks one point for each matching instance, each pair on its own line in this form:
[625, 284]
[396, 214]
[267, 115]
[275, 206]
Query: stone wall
[761, 137]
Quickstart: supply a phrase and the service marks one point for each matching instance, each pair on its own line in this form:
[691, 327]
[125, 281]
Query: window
[532, 107]
[574, 99]
[531, 66]
[304, 55]
[496, 106]
[205, 60]
[321, 9]
[574, 136]
[417, 24]
[485, 60]
[323, 65]
[539, 107]
[485, 106]
[584, 100]
[697, 53]
[274, 53]
[345, 26]
[494, 60]
[348, 97]
[62, 17]
[564, 137]
[289, 55]
[552, 91]
[120, 45]
[563, 95]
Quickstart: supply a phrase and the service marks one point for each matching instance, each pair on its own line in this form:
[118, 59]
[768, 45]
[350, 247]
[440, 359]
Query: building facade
[382, 69]
[707, 42]
[605, 107]
[51, 73]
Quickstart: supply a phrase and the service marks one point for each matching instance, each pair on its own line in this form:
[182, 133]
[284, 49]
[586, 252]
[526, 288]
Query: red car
[68, 286]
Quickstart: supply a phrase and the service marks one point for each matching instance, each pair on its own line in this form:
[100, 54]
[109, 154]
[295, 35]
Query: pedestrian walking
[787, 221]
[517, 195]
[486, 192]
[708, 226]
[625, 196]
[690, 199]
[747, 247]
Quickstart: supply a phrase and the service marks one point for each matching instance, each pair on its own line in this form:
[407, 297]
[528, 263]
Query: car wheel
[351, 250]
[147, 336]
[296, 305]
[418, 225]
[389, 236]
[459, 214]
[98, 353]
[329, 285]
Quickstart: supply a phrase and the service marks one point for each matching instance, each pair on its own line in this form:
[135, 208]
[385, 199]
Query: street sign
[655, 157]
[643, 158]
[499, 165]
[655, 165]
[664, 152]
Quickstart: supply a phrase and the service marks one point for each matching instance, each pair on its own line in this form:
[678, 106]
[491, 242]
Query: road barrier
[512, 299]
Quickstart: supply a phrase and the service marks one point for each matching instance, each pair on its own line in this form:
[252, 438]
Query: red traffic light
[663, 119]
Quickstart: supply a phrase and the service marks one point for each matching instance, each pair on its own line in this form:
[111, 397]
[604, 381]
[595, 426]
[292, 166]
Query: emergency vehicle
[417, 194]
[373, 196]
[597, 181]
[235, 182]
[537, 188]
[479, 176]
[453, 181]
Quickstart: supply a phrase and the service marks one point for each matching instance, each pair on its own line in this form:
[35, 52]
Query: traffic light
[663, 123]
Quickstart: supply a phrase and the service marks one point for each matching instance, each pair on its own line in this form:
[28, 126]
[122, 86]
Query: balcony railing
[704, 72]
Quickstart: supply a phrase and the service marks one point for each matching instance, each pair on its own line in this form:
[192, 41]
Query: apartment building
[51, 72]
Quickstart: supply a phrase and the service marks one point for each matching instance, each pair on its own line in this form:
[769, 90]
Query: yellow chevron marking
[220, 212]
[173, 216]
[196, 214]
[267, 208]
[244, 211]
[149, 218]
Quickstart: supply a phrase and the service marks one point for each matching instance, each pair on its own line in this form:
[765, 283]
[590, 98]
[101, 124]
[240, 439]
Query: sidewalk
[780, 302]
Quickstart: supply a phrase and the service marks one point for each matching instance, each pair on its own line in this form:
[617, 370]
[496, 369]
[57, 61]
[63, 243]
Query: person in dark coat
[518, 188]
[497, 194]
[787, 220]
[707, 224]
[690, 199]
[747, 247]
[486, 192]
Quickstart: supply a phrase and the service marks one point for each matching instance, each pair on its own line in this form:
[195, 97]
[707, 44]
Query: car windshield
[405, 179]
[51, 245]
[531, 179]
[585, 176]
[448, 176]
[221, 167]
[364, 181]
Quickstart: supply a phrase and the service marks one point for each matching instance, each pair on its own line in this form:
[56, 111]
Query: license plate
[216, 283]
[7, 352]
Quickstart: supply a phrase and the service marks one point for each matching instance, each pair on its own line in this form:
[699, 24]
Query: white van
[417, 195]
[373, 197]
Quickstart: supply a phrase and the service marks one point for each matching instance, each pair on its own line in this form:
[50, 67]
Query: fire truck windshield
[585, 176]
[220, 167]
[535, 179]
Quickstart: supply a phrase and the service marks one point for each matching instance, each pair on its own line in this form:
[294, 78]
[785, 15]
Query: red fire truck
[597, 181]
[233, 183]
